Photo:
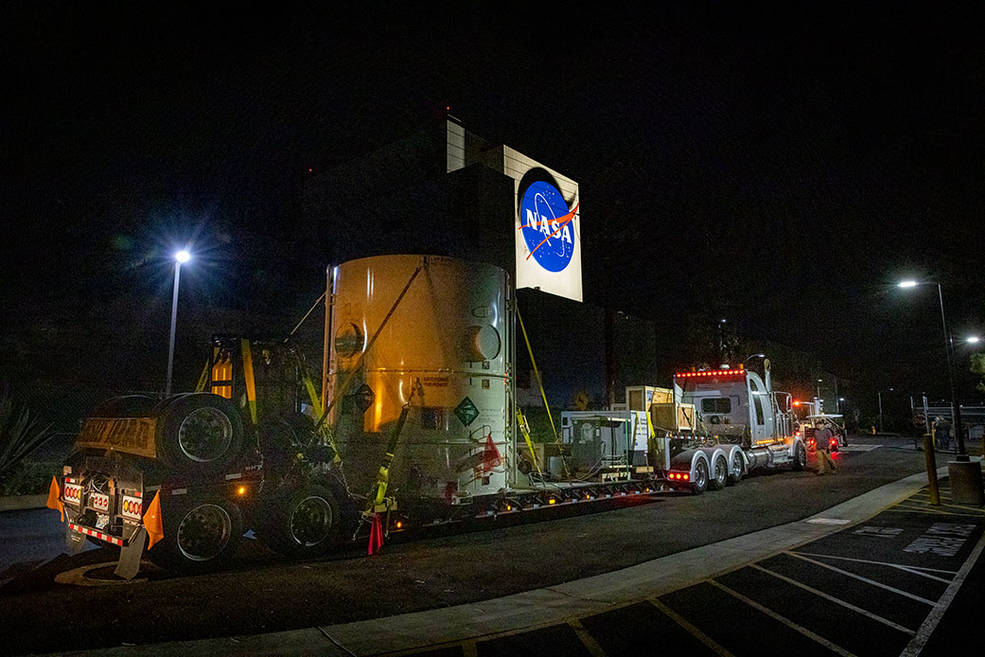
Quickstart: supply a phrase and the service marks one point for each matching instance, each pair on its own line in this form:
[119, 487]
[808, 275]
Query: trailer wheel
[799, 457]
[699, 482]
[199, 534]
[200, 433]
[303, 523]
[736, 471]
[720, 477]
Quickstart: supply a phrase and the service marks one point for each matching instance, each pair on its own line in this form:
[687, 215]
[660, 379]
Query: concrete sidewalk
[547, 606]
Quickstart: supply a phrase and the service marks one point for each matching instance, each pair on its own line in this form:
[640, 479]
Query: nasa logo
[546, 224]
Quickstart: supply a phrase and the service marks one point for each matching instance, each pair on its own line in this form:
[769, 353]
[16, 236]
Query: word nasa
[548, 224]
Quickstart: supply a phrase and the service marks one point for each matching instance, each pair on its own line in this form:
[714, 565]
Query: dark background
[781, 168]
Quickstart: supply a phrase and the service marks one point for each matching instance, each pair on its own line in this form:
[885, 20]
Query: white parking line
[587, 640]
[831, 598]
[917, 643]
[864, 579]
[916, 570]
[691, 629]
[784, 620]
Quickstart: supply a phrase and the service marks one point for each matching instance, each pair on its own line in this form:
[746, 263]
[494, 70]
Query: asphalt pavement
[877, 573]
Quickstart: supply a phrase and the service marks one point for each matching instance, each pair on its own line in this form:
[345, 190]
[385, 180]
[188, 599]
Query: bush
[29, 478]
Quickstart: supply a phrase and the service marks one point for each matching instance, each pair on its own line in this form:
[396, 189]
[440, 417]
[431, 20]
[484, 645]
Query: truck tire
[720, 471]
[302, 523]
[200, 534]
[199, 433]
[737, 468]
[799, 457]
[699, 481]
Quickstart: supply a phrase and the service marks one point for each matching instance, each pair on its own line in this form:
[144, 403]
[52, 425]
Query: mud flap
[130, 556]
[74, 541]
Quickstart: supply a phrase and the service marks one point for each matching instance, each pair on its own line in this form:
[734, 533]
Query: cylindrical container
[432, 334]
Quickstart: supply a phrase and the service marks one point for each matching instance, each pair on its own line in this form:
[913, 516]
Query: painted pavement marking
[587, 640]
[863, 579]
[916, 570]
[784, 620]
[693, 630]
[837, 601]
[917, 644]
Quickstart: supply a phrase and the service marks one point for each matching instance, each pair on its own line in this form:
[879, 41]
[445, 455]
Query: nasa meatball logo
[547, 227]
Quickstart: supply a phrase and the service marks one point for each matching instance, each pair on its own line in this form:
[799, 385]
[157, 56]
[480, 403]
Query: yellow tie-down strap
[132, 435]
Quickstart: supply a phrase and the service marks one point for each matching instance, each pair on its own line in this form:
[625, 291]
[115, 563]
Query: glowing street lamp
[180, 258]
[961, 455]
[879, 395]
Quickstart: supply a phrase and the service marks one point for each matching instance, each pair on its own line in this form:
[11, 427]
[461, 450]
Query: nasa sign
[547, 226]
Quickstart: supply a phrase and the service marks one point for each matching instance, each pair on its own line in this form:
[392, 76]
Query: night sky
[779, 168]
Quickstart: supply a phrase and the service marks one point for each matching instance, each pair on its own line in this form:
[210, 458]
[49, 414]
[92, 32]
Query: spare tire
[200, 433]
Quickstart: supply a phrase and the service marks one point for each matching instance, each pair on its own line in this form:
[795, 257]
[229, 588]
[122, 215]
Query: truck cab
[736, 404]
[740, 424]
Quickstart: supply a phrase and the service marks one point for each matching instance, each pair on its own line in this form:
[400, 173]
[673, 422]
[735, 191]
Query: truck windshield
[716, 405]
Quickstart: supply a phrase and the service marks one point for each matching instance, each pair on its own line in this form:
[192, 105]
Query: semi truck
[415, 425]
[725, 423]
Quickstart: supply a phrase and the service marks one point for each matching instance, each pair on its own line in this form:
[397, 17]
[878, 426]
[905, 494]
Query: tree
[978, 367]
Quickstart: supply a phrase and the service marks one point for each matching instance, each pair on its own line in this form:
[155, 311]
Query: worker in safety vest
[822, 442]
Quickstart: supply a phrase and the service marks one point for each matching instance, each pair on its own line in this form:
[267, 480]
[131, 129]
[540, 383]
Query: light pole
[961, 455]
[180, 258]
[879, 395]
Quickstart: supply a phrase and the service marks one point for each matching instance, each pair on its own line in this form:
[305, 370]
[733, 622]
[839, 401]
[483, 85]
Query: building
[445, 191]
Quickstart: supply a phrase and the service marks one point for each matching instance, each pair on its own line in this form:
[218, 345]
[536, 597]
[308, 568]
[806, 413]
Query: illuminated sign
[546, 225]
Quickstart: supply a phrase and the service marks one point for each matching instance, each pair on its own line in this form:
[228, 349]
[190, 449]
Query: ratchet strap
[525, 430]
[543, 395]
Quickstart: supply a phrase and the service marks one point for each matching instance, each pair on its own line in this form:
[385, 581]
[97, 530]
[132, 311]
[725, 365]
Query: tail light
[132, 507]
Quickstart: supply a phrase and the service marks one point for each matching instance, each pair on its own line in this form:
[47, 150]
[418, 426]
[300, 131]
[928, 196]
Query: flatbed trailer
[416, 426]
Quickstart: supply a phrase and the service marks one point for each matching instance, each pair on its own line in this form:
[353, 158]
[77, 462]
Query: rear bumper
[98, 535]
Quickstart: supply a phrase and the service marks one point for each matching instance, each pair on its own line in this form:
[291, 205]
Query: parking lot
[878, 588]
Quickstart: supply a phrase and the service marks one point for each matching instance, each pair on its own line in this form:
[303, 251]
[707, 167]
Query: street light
[962, 455]
[180, 257]
[879, 395]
